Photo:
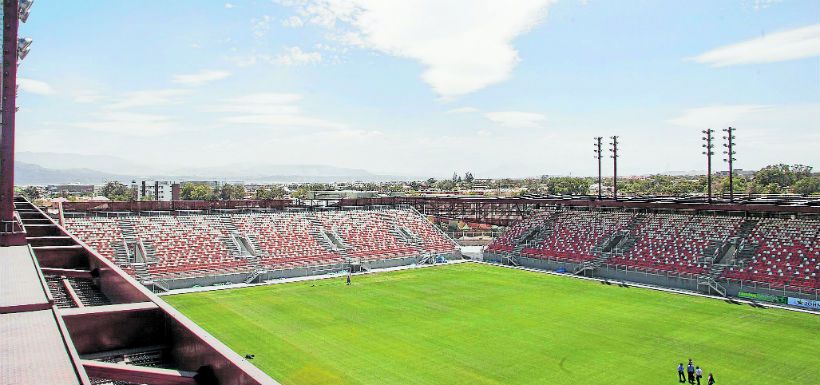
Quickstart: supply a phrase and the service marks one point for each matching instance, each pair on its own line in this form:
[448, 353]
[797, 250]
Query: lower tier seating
[203, 245]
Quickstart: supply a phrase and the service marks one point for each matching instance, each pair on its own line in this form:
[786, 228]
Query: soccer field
[480, 324]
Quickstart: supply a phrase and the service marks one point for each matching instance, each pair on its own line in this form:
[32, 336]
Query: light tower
[614, 156]
[598, 155]
[14, 50]
[708, 146]
[730, 157]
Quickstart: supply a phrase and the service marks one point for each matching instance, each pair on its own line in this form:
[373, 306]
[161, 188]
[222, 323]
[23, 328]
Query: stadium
[576, 289]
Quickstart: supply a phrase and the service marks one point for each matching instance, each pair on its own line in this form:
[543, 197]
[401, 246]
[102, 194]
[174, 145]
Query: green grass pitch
[480, 324]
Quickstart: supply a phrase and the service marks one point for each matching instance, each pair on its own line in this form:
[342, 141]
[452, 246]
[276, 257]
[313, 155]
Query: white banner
[807, 303]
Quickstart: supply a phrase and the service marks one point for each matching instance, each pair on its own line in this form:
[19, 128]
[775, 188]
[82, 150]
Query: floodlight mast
[598, 155]
[14, 50]
[614, 156]
[708, 146]
[730, 158]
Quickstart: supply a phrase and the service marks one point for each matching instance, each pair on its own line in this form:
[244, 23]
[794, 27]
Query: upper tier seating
[675, 242]
[788, 254]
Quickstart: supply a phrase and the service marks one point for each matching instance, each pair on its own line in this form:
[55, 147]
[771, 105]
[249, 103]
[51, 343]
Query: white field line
[652, 287]
[414, 266]
[303, 278]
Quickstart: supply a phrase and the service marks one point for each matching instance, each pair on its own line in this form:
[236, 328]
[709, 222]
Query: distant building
[157, 190]
[69, 189]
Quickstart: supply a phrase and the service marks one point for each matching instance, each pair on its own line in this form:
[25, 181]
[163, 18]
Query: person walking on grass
[698, 374]
[690, 372]
[348, 278]
[711, 379]
[681, 376]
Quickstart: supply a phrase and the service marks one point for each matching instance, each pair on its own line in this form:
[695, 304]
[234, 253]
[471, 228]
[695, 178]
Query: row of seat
[786, 251]
[198, 245]
[787, 254]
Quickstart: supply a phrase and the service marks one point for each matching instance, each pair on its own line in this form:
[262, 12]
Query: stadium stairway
[401, 233]
[121, 255]
[540, 232]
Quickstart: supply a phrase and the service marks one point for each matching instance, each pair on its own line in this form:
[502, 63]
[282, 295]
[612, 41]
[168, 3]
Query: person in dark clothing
[681, 377]
[348, 279]
[711, 379]
[690, 372]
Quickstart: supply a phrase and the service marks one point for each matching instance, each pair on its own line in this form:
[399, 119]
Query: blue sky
[422, 87]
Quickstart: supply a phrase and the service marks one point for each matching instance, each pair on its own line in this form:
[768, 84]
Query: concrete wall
[184, 283]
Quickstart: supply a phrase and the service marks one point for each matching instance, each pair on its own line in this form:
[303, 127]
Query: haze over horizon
[497, 88]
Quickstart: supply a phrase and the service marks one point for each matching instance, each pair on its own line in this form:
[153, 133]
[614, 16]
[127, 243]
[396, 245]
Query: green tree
[196, 192]
[116, 191]
[807, 186]
[270, 192]
[232, 192]
[779, 178]
[568, 186]
[31, 192]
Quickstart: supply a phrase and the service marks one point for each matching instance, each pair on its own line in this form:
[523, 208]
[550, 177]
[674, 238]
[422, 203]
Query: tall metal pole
[730, 157]
[614, 156]
[708, 152]
[599, 155]
[9, 226]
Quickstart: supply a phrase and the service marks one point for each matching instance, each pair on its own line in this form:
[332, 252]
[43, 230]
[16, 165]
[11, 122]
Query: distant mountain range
[63, 168]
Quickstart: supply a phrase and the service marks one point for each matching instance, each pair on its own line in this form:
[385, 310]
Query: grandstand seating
[367, 236]
[675, 242]
[507, 240]
[431, 240]
[788, 253]
[204, 245]
[575, 233]
[671, 243]
[284, 239]
[99, 233]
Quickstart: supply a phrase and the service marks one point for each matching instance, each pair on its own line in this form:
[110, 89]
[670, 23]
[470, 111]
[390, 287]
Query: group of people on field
[693, 374]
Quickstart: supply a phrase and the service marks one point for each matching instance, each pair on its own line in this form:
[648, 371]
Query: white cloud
[36, 87]
[463, 110]
[516, 119]
[149, 98]
[200, 78]
[272, 110]
[293, 22]
[260, 26]
[464, 45]
[229, 5]
[786, 45]
[294, 56]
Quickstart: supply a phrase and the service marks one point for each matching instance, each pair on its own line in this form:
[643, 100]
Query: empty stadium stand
[676, 242]
[162, 247]
[781, 252]
[575, 234]
[776, 252]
